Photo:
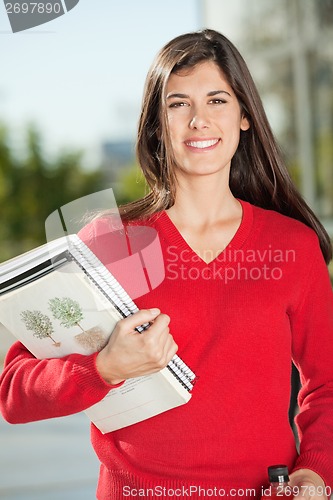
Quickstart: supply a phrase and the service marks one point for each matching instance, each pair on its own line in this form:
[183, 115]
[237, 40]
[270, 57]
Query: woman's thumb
[141, 318]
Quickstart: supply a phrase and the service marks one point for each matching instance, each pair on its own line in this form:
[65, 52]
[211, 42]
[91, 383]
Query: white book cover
[64, 312]
[59, 314]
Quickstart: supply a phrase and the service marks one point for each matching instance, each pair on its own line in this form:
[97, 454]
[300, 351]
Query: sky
[80, 77]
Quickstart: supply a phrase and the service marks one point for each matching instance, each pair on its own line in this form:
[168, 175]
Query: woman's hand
[308, 484]
[131, 354]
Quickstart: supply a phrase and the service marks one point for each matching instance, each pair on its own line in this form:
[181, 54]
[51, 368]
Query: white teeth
[202, 144]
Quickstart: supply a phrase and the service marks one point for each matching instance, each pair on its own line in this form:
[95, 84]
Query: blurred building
[288, 45]
[117, 155]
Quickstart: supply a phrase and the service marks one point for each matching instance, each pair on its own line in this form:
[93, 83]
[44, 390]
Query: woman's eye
[217, 101]
[178, 104]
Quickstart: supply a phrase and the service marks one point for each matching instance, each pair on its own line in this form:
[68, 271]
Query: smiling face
[204, 119]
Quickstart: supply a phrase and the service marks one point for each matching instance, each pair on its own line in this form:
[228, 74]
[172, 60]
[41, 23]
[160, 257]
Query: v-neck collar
[174, 237]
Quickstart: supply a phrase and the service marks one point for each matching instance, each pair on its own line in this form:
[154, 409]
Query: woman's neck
[204, 203]
[207, 219]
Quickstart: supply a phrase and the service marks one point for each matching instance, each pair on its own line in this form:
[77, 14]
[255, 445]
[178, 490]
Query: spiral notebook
[59, 299]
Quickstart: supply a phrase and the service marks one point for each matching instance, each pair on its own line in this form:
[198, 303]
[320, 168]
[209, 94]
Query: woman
[246, 288]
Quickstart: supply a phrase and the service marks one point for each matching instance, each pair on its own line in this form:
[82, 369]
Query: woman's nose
[199, 120]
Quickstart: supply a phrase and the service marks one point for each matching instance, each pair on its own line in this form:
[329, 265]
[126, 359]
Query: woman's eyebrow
[185, 96]
[215, 92]
[180, 96]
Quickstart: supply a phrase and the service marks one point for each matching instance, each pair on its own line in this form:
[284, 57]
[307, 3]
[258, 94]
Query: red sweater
[238, 322]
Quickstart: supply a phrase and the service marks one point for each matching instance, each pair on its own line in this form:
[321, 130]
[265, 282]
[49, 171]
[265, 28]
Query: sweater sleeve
[312, 345]
[33, 389]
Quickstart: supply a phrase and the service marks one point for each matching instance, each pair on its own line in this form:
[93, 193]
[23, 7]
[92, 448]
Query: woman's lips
[202, 144]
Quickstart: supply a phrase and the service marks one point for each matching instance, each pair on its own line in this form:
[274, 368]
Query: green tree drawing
[39, 323]
[67, 310]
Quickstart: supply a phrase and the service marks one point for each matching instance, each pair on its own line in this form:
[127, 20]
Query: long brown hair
[258, 173]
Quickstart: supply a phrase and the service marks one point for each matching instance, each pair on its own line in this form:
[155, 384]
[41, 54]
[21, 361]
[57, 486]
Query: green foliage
[131, 185]
[324, 155]
[67, 310]
[39, 323]
[32, 187]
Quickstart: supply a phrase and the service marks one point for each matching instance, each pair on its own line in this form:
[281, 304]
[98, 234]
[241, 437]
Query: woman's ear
[245, 124]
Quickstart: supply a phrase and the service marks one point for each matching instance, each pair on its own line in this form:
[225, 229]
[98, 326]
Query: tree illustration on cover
[67, 310]
[40, 324]
[69, 313]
